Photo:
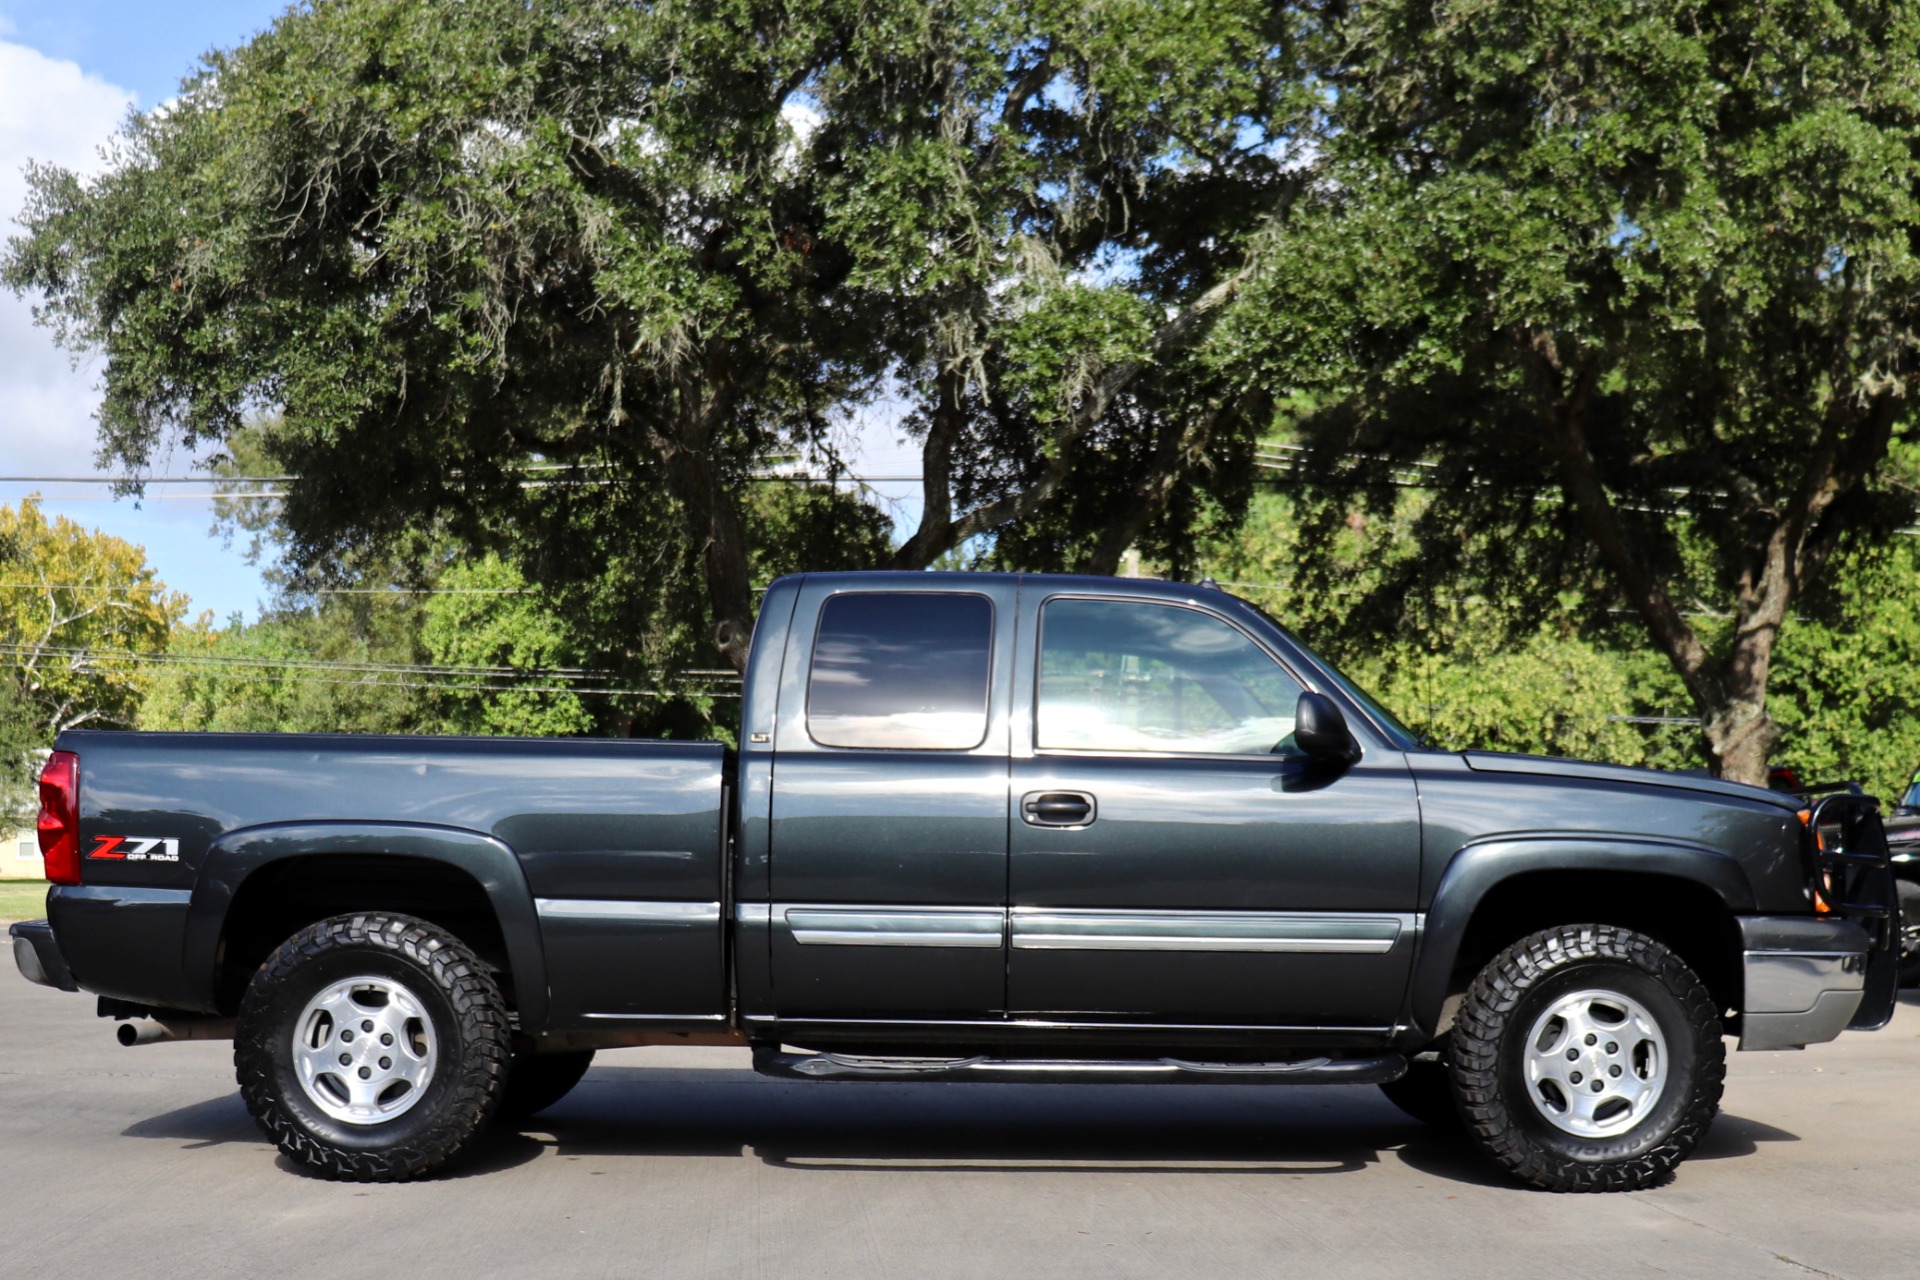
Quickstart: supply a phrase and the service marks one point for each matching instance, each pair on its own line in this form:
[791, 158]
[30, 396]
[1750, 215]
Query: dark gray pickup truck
[978, 827]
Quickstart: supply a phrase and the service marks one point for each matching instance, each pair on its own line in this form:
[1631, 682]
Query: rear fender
[234, 857]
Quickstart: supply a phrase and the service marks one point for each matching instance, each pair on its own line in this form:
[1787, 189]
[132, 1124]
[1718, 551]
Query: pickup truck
[977, 827]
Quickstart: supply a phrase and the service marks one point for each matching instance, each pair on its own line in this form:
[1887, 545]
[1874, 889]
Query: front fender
[238, 854]
[1478, 868]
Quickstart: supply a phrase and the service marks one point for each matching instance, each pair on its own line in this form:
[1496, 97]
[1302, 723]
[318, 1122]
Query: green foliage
[1624, 291]
[1510, 674]
[1631, 289]
[1465, 671]
[316, 669]
[80, 612]
[509, 633]
[21, 742]
[445, 240]
[79, 609]
[1844, 682]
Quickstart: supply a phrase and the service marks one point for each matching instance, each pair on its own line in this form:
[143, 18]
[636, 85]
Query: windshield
[1381, 716]
[1911, 800]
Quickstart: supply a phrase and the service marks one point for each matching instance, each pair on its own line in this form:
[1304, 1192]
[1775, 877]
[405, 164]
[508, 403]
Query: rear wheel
[372, 1047]
[1588, 1058]
[1909, 933]
[536, 1081]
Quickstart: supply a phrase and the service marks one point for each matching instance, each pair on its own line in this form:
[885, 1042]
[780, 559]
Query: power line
[90, 655]
[317, 591]
[1280, 459]
[792, 477]
[452, 687]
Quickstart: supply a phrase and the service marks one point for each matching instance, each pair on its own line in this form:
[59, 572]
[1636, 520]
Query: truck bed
[617, 844]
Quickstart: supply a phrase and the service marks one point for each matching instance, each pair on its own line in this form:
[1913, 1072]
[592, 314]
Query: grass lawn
[22, 900]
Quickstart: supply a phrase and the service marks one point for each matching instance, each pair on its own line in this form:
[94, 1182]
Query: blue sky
[69, 71]
[142, 45]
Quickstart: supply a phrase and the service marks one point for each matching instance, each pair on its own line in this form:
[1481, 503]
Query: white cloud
[54, 112]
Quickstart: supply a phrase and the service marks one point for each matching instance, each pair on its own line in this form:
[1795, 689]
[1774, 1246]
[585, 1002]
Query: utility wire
[451, 687]
[89, 655]
[457, 687]
[1279, 459]
[318, 591]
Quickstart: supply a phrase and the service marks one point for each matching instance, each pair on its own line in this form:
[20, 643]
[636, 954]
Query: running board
[1379, 1069]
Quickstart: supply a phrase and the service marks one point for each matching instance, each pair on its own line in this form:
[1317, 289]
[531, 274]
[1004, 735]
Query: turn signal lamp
[60, 817]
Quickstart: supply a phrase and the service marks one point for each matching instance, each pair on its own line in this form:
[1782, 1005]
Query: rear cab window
[901, 671]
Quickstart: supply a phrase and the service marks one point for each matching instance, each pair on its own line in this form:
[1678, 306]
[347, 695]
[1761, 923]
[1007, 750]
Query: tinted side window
[902, 670]
[1122, 675]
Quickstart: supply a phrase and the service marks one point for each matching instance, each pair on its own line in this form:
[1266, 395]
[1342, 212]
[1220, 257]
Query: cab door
[888, 834]
[1167, 863]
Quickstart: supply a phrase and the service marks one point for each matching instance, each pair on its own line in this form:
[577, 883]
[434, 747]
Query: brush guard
[1851, 878]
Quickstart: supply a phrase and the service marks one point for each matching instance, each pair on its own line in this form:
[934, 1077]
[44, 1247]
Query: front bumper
[38, 955]
[1805, 979]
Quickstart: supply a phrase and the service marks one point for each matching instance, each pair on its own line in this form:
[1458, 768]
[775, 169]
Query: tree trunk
[1741, 737]
[711, 500]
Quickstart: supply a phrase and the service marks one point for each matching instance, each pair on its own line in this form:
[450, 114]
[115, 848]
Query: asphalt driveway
[142, 1162]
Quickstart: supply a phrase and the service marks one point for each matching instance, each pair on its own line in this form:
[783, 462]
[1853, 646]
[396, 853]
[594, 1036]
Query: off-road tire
[535, 1081]
[1488, 1044]
[1426, 1091]
[1909, 893]
[469, 1022]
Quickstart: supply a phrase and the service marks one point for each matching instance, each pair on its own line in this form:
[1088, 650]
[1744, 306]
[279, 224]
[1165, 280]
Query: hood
[1555, 767]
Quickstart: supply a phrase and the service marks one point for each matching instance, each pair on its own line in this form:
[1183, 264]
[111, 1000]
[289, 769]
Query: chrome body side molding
[1048, 929]
[627, 911]
[894, 927]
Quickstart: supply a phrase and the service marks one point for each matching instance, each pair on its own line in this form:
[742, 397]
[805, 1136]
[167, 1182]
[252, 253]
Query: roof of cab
[1047, 581]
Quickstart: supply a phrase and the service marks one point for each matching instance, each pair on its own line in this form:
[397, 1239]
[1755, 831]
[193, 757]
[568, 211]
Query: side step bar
[1379, 1069]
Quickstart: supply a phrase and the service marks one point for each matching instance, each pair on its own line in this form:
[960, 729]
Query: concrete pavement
[142, 1162]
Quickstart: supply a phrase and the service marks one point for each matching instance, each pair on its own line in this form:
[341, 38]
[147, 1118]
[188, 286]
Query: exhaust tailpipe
[162, 1030]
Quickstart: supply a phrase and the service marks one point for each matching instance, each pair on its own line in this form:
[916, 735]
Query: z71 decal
[135, 849]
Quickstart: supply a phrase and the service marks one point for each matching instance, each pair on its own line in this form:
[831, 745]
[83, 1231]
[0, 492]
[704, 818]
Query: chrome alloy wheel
[1596, 1063]
[364, 1050]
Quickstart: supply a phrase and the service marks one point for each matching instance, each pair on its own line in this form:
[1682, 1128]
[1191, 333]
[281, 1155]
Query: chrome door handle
[1058, 808]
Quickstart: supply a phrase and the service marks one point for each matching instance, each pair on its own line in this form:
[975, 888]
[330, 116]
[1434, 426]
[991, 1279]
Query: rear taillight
[60, 817]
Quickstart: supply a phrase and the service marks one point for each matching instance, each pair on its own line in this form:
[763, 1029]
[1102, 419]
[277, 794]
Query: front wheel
[372, 1047]
[1588, 1058]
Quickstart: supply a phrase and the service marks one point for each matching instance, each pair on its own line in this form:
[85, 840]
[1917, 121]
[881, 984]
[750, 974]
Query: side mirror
[1321, 731]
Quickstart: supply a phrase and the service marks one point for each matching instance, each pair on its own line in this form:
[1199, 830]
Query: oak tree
[1630, 288]
[563, 279]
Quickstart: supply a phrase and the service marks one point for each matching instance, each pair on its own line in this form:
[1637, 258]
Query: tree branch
[1580, 479]
[1154, 490]
[1174, 335]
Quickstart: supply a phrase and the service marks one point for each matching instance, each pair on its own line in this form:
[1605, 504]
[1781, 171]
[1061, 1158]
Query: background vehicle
[978, 827]
[1903, 839]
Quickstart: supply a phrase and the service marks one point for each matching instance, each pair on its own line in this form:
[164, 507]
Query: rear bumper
[1805, 979]
[38, 955]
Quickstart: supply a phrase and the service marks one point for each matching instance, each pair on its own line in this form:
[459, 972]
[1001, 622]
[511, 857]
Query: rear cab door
[887, 823]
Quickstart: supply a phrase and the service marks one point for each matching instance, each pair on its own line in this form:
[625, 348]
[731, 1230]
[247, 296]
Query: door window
[901, 670]
[1125, 675]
